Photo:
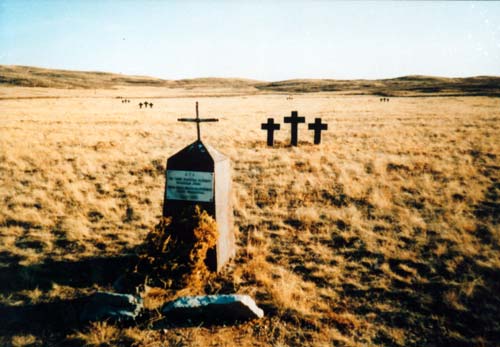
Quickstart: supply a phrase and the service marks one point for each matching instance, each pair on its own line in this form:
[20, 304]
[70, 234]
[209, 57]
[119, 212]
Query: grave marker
[294, 120]
[200, 175]
[317, 126]
[270, 126]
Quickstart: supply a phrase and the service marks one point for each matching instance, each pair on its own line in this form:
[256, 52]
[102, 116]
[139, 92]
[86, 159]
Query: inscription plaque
[190, 185]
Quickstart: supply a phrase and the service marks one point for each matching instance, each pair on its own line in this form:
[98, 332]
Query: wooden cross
[270, 126]
[198, 120]
[317, 126]
[294, 120]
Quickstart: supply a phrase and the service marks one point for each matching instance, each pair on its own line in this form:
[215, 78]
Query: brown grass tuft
[174, 260]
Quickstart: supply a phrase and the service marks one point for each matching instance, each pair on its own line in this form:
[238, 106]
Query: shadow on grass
[60, 315]
[54, 316]
[83, 273]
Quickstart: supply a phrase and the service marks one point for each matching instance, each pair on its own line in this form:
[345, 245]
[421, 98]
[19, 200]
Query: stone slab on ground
[111, 306]
[212, 309]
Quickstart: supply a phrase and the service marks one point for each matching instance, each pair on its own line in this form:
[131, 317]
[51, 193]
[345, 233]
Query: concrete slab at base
[212, 309]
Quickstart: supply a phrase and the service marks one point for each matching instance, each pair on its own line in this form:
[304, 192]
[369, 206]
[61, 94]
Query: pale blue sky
[271, 40]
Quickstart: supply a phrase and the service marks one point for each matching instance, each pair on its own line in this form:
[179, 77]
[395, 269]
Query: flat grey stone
[212, 309]
[111, 306]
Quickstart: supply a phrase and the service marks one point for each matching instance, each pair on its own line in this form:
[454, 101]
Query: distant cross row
[127, 101]
[294, 121]
[146, 104]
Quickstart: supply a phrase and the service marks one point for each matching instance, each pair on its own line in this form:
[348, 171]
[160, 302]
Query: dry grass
[386, 234]
[168, 261]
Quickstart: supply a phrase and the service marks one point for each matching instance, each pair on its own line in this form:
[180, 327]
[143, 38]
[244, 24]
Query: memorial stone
[200, 175]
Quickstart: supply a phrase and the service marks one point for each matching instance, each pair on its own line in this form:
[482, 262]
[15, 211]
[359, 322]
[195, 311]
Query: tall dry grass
[386, 234]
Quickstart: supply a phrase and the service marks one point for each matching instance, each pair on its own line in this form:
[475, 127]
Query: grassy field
[386, 234]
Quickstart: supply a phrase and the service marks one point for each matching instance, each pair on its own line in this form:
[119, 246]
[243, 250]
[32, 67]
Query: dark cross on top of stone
[270, 126]
[198, 120]
[317, 126]
[294, 120]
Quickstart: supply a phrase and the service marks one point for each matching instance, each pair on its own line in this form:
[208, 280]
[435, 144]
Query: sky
[263, 40]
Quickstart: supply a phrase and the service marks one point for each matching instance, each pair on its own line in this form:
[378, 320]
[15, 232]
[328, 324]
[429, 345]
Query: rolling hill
[415, 85]
[401, 86]
[27, 76]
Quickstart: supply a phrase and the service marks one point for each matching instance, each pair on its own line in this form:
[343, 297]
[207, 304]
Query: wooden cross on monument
[198, 120]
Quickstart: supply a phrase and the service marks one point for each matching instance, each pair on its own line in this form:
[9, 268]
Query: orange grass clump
[171, 260]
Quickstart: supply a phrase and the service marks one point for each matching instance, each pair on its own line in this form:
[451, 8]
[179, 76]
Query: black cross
[198, 120]
[270, 126]
[317, 126]
[294, 120]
